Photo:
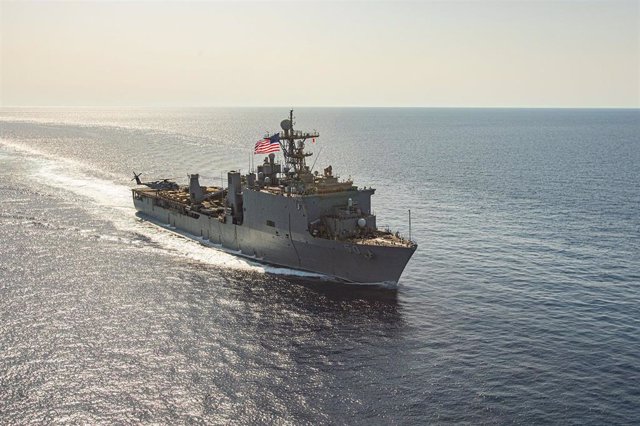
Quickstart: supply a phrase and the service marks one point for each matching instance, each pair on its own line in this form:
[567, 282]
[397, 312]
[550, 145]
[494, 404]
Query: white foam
[112, 202]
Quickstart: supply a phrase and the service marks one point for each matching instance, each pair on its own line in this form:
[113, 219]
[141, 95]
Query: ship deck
[383, 238]
[215, 206]
[179, 199]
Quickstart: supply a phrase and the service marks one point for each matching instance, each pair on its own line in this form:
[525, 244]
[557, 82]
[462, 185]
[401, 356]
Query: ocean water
[521, 304]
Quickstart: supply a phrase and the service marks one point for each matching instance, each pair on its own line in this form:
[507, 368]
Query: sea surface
[521, 304]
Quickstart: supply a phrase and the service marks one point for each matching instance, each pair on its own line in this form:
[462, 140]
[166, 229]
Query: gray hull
[358, 263]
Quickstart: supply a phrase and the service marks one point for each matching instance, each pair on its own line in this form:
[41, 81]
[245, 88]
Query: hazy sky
[479, 53]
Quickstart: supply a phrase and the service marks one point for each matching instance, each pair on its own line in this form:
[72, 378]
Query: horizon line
[323, 106]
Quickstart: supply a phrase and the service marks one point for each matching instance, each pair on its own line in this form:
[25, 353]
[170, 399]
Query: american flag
[268, 145]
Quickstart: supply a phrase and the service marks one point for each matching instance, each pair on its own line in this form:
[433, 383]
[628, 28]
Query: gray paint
[289, 243]
[287, 216]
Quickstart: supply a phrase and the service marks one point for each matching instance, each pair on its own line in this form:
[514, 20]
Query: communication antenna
[410, 225]
[314, 161]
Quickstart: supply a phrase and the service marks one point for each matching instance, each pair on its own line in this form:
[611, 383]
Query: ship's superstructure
[286, 214]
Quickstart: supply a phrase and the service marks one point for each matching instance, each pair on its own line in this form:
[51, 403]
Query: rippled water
[522, 303]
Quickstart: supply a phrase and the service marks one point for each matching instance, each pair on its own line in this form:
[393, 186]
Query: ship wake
[110, 201]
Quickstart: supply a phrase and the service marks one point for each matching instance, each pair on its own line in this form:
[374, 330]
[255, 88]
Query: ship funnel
[195, 191]
[234, 195]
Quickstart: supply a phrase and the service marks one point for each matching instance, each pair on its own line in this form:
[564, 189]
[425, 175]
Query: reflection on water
[518, 306]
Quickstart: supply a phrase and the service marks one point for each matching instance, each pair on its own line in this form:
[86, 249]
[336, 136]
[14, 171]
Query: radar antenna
[292, 145]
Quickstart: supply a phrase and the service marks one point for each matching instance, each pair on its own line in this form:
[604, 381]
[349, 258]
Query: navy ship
[285, 214]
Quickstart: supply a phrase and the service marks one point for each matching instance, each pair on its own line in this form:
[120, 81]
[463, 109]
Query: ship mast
[292, 144]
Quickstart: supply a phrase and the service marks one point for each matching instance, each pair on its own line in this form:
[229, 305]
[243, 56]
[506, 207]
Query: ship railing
[297, 134]
[403, 238]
